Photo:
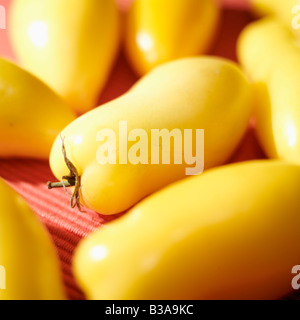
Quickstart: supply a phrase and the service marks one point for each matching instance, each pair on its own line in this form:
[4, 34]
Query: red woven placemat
[29, 177]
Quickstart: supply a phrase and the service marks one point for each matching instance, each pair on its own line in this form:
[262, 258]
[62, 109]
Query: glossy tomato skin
[230, 233]
[270, 55]
[71, 45]
[31, 114]
[160, 31]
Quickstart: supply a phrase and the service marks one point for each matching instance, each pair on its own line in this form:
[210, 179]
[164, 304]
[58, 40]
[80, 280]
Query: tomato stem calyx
[72, 180]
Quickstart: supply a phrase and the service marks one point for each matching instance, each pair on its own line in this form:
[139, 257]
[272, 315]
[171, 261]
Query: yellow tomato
[71, 45]
[231, 233]
[29, 264]
[270, 54]
[31, 114]
[188, 94]
[257, 41]
[285, 10]
[159, 31]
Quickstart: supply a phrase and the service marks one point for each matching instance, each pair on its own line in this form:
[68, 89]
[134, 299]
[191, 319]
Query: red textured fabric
[29, 177]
